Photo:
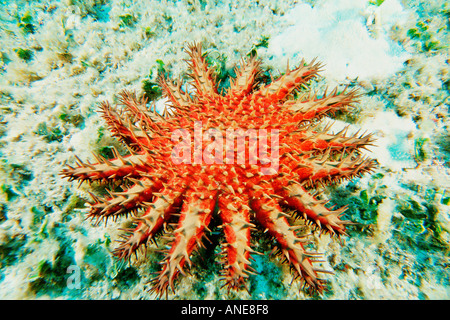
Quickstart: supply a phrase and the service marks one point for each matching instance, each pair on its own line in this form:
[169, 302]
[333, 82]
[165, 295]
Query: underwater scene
[224, 149]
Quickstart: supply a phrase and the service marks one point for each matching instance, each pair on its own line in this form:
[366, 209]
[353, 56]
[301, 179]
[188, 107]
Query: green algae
[420, 153]
[262, 42]
[76, 120]
[12, 250]
[376, 2]
[49, 134]
[428, 37]
[127, 278]
[51, 276]
[127, 20]
[25, 23]
[151, 89]
[419, 224]
[267, 283]
[362, 203]
[8, 191]
[24, 54]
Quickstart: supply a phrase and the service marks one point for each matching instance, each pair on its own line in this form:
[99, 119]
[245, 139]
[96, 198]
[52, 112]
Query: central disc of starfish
[249, 157]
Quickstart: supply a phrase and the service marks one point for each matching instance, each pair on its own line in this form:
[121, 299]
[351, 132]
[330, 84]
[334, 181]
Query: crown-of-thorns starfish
[159, 192]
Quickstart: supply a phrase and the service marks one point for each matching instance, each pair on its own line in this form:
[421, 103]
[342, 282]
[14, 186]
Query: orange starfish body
[190, 166]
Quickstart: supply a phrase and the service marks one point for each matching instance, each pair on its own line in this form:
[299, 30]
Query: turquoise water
[59, 60]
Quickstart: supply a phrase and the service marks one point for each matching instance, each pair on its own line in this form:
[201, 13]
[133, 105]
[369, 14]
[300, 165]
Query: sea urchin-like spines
[271, 217]
[292, 80]
[195, 215]
[122, 203]
[308, 108]
[136, 109]
[123, 127]
[158, 213]
[319, 170]
[314, 210]
[311, 140]
[122, 167]
[159, 192]
[245, 78]
[235, 215]
[201, 74]
[181, 100]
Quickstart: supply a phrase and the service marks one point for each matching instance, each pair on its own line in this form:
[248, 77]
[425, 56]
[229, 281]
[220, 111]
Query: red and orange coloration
[156, 191]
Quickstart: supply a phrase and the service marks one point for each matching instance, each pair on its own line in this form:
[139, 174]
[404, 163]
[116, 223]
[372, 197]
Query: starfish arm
[201, 75]
[292, 80]
[315, 142]
[132, 126]
[310, 108]
[121, 126]
[173, 92]
[121, 167]
[137, 110]
[314, 210]
[195, 215]
[323, 170]
[149, 224]
[235, 216]
[123, 203]
[245, 78]
[273, 219]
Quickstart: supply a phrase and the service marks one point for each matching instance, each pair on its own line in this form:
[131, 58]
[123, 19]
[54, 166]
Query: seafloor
[59, 59]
